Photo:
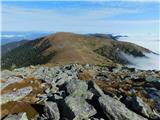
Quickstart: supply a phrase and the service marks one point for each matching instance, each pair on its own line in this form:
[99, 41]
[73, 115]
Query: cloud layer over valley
[150, 62]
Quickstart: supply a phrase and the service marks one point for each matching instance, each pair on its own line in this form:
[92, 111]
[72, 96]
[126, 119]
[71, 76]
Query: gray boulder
[115, 110]
[138, 105]
[43, 73]
[41, 98]
[95, 89]
[20, 116]
[5, 74]
[51, 111]
[154, 94]
[15, 95]
[9, 79]
[14, 79]
[79, 88]
[77, 108]
[51, 88]
[62, 79]
[152, 79]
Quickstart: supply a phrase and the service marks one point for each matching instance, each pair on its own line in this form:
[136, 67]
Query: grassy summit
[65, 48]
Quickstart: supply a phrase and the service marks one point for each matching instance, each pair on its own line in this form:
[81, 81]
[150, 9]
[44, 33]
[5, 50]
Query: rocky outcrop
[78, 88]
[136, 104]
[15, 95]
[76, 92]
[51, 111]
[115, 110]
[9, 78]
[79, 108]
[20, 116]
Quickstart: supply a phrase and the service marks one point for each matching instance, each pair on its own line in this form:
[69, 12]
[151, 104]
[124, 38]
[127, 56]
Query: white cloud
[97, 12]
[11, 36]
[135, 21]
[79, 20]
[21, 19]
[152, 62]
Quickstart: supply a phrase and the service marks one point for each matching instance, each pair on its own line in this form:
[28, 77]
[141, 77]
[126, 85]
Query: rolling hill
[65, 48]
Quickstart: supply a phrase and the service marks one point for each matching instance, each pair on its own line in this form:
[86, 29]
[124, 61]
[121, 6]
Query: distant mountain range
[7, 37]
[65, 48]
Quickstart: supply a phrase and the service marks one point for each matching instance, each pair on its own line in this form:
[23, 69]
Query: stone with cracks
[51, 111]
[115, 110]
[77, 108]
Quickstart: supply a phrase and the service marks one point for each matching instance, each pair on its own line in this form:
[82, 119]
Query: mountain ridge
[65, 48]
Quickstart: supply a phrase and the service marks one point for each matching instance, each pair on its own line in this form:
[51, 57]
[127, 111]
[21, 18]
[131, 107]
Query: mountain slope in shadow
[10, 46]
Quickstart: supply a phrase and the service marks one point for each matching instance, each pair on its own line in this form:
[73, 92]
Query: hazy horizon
[153, 45]
[137, 19]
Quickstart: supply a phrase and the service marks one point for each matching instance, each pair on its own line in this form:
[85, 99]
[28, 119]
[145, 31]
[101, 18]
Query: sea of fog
[151, 61]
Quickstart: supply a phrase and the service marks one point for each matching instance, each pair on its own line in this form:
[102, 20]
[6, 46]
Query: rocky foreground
[80, 92]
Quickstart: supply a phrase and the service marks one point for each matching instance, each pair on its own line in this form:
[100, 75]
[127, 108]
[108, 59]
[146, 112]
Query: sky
[135, 18]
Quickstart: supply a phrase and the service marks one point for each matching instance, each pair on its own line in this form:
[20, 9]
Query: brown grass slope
[73, 48]
[77, 48]
[65, 48]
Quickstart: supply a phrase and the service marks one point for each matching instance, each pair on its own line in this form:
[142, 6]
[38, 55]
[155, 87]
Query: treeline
[115, 52]
[25, 55]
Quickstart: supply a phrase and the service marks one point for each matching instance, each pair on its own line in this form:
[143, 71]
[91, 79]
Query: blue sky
[118, 17]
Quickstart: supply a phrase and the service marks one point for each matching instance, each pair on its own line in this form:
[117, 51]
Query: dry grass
[124, 88]
[74, 48]
[25, 105]
[16, 107]
[66, 48]
[2, 81]
[108, 86]
[34, 83]
[145, 98]
[86, 75]
[114, 86]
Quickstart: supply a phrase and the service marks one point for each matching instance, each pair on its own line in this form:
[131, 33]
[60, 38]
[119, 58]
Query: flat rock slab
[51, 111]
[79, 89]
[138, 105]
[10, 80]
[16, 95]
[115, 110]
[20, 116]
[79, 109]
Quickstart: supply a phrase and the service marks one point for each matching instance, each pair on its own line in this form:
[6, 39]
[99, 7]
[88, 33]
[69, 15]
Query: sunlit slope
[64, 48]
